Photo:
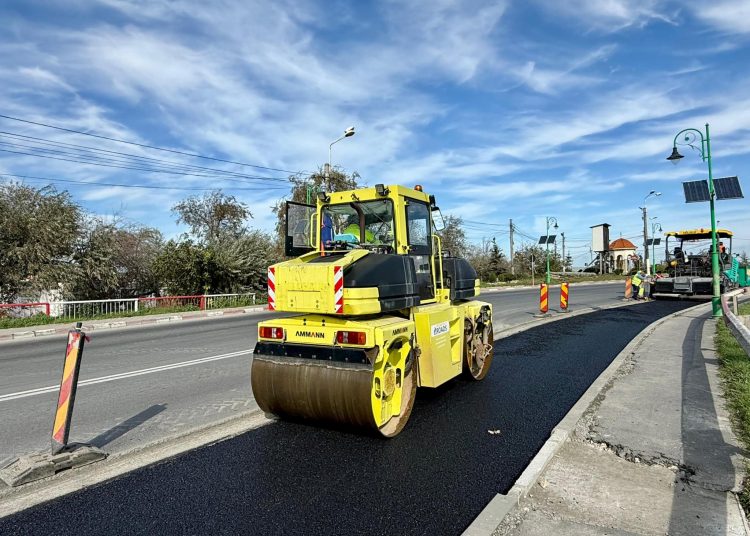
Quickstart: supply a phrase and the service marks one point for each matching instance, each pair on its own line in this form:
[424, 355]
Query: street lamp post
[691, 135]
[645, 228]
[655, 226]
[550, 219]
[348, 133]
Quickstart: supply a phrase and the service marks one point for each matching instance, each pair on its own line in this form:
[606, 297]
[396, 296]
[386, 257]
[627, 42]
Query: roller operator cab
[383, 312]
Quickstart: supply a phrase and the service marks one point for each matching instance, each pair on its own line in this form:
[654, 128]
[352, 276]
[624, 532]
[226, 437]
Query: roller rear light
[268, 332]
[351, 337]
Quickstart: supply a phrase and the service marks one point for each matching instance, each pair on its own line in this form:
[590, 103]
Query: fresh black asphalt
[434, 478]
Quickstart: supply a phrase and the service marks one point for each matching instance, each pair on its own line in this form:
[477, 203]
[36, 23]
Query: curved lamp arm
[690, 136]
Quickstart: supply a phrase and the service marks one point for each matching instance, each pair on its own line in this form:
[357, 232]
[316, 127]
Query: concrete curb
[14, 500]
[500, 506]
[11, 334]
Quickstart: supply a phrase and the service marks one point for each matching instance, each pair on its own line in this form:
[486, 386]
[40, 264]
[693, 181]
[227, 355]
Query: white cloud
[731, 16]
[610, 15]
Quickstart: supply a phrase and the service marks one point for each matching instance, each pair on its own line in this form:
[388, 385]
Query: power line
[127, 156]
[146, 146]
[115, 166]
[143, 186]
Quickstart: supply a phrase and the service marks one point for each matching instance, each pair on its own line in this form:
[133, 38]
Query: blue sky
[502, 109]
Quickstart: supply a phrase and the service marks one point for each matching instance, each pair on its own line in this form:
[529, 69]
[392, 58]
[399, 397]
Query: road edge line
[15, 500]
[490, 518]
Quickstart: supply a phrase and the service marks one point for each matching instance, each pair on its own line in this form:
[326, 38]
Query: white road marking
[124, 375]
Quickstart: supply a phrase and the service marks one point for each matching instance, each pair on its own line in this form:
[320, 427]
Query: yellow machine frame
[426, 344]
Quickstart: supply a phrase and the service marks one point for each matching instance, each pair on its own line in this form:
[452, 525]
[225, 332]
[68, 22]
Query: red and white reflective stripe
[338, 289]
[272, 288]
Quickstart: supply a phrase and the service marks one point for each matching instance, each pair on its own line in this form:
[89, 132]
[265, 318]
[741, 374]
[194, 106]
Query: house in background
[622, 253]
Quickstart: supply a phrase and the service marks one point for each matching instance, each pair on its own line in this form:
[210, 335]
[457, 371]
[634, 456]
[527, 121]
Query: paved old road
[132, 404]
[434, 478]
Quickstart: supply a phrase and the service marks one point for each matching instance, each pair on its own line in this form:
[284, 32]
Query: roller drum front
[351, 395]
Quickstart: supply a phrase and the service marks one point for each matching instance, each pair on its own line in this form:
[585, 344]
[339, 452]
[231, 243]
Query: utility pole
[645, 238]
[512, 267]
[563, 247]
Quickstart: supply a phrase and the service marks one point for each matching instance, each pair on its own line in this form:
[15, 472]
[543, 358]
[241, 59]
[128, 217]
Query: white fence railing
[83, 309]
[735, 325]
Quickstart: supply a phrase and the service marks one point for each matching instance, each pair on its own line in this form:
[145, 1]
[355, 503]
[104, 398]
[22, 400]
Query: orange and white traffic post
[628, 288]
[68, 386]
[543, 295]
[564, 297]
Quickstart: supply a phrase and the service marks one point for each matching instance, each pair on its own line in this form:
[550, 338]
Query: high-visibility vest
[636, 280]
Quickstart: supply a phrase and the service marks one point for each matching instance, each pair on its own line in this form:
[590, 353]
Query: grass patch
[735, 376]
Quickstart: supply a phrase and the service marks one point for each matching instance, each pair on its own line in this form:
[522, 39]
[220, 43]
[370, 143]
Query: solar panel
[728, 188]
[547, 239]
[696, 191]
[653, 241]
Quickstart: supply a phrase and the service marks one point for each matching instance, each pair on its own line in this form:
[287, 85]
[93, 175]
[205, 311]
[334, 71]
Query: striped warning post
[68, 385]
[543, 302]
[564, 297]
[628, 288]
[271, 288]
[338, 289]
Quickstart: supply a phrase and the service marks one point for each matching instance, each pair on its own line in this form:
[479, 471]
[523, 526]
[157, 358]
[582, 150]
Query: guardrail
[83, 309]
[735, 325]
[21, 310]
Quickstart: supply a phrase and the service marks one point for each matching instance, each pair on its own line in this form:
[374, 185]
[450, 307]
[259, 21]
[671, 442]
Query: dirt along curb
[487, 522]
[45, 330]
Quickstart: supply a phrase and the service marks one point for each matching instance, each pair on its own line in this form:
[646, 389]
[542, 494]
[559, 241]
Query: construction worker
[353, 229]
[637, 282]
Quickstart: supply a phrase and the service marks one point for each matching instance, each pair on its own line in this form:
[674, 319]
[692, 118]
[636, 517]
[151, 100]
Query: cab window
[418, 228]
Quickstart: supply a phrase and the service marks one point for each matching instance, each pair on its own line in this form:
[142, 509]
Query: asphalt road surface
[141, 385]
[434, 478]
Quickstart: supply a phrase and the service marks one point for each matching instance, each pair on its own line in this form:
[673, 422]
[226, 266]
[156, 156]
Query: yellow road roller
[382, 311]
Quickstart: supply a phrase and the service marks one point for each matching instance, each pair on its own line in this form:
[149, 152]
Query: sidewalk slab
[669, 411]
[655, 453]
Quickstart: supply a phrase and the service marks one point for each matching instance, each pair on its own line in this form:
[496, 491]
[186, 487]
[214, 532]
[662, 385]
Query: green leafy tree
[212, 215]
[38, 230]
[453, 236]
[183, 267]
[523, 260]
[114, 261]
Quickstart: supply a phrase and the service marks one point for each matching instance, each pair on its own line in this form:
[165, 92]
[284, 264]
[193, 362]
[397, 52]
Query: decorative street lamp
[655, 226]
[550, 219]
[690, 137]
[645, 228]
[348, 133]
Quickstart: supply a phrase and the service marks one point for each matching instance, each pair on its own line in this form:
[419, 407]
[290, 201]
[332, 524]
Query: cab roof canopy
[699, 234]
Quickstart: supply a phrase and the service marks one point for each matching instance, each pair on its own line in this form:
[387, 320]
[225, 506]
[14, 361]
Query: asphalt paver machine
[383, 311]
[688, 257]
